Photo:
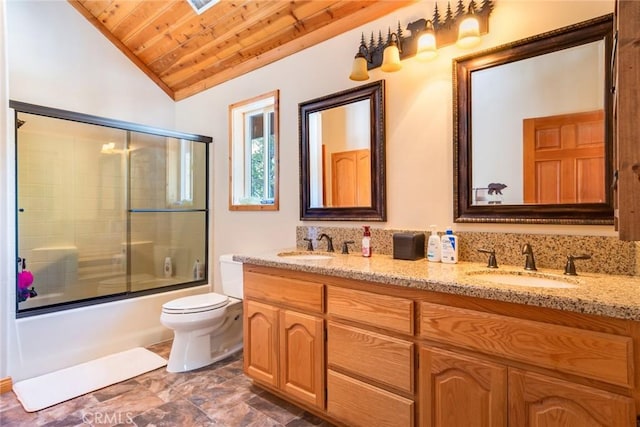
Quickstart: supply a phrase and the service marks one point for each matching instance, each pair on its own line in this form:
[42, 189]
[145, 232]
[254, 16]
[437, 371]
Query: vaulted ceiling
[185, 53]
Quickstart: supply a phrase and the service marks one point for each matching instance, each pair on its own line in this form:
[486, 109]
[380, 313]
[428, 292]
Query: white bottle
[433, 246]
[449, 252]
[198, 273]
[168, 268]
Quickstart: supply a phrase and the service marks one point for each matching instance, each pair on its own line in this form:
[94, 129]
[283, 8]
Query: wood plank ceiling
[185, 53]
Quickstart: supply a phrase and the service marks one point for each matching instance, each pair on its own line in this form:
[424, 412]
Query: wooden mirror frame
[580, 213]
[374, 93]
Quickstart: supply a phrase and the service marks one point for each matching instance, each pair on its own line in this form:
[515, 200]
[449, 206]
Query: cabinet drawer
[383, 311]
[359, 404]
[596, 355]
[283, 290]
[378, 357]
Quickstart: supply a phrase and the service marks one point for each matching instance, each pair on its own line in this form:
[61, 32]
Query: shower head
[19, 123]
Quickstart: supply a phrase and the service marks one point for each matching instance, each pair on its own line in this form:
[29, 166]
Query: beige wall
[419, 125]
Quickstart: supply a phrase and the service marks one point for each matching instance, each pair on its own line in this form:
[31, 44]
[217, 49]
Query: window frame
[240, 147]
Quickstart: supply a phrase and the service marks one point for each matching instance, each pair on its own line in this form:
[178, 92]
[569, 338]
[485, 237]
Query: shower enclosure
[106, 209]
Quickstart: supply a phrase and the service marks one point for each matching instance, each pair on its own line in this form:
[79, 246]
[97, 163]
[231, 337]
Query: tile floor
[217, 395]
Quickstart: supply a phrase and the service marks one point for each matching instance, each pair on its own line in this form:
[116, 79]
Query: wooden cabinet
[364, 354]
[284, 347]
[359, 404]
[536, 401]
[627, 112]
[461, 391]
[370, 380]
[261, 342]
[302, 356]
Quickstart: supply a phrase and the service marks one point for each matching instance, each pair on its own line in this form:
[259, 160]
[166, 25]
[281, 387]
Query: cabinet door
[261, 342]
[628, 111]
[539, 401]
[461, 391]
[302, 357]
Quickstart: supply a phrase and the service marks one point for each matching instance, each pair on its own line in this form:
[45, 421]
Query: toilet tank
[231, 274]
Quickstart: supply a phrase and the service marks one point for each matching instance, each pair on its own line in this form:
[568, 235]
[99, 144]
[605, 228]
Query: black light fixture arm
[445, 29]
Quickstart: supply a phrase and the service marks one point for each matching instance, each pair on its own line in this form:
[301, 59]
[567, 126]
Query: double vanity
[386, 342]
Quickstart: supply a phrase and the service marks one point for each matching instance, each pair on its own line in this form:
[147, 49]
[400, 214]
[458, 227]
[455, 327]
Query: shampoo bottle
[433, 246]
[366, 242]
[197, 270]
[449, 247]
[168, 268]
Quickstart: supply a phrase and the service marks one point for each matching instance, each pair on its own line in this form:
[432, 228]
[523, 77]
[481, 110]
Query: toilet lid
[192, 303]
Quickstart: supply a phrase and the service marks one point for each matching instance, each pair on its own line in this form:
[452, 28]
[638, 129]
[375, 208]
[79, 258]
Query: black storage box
[408, 246]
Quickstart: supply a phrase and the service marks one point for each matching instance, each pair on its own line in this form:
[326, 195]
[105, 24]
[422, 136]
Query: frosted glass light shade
[427, 46]
[468, 32]
[359, 69]
[391, 59]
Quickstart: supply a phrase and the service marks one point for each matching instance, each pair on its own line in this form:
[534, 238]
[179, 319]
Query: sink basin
[530, 280]
[305, 256]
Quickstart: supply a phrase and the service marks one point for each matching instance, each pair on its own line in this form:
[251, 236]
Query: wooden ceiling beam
[259, 43]
[185, 53]
[370, 13]
[233, 42]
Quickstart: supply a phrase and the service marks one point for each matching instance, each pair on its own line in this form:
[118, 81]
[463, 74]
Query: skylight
[201, 5]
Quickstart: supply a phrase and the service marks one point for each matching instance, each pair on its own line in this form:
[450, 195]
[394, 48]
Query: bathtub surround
[609, 255]
[106, 219]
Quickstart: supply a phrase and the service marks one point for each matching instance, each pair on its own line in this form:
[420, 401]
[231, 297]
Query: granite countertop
[591, 293]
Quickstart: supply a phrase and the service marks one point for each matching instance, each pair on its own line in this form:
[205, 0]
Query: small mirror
[253, 153]
[342, 161]
[533, 122]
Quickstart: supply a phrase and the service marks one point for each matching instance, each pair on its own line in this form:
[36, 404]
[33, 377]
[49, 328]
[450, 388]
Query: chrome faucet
[529, 260]
[329, 241]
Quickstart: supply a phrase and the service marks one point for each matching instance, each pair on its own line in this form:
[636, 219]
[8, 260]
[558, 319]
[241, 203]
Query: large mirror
[342, 155]
[533, 129]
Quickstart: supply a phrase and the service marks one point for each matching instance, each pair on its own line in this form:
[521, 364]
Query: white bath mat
[55, 387]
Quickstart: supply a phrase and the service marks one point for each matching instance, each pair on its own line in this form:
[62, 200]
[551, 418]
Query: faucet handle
[492, 262]
[309, 243]
[345, 246]
[570, 267]
[530, 261]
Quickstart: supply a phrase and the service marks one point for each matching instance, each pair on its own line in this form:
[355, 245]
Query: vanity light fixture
[464, 28]
[469, 30]
[427, 43]
[391, 55]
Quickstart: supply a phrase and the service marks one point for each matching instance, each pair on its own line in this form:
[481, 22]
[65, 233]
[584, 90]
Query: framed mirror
[253, 153]
[533, 134]
[342, 155]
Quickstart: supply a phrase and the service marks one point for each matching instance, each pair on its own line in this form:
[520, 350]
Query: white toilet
[207, 327]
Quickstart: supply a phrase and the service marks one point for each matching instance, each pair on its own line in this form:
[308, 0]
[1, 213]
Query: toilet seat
[195, 303]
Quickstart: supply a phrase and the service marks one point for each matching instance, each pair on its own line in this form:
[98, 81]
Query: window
[253, 147]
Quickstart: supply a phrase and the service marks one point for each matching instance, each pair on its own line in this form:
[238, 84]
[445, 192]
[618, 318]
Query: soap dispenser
[433, 245]
[366, 242]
